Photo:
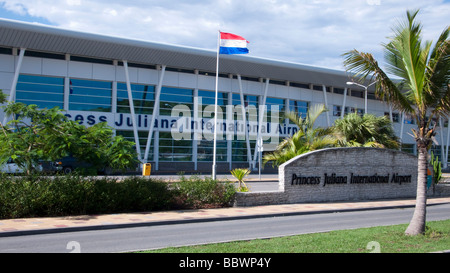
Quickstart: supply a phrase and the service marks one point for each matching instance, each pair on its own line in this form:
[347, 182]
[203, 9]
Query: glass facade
[88, 95]
[337, 110]
[97, 96]
[171, 96]
[45, 92]
[205, 146]
[209, 98]
[250, 102]
[205, 149]
[279, 106]
[239, 150]
[143, 98]
[239, 144]
[174, 150]
[299, 107]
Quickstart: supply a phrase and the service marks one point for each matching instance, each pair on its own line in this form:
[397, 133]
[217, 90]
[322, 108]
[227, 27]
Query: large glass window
[239, 150]
[337, 110]
[409, 119]
[143, 98]
[45, 92]
[395, 116]
[250, 103]
[209, 98]
[437, 151]
[279, 107]
[171, 97]
[359, 111]
[299, 107]
[87, 95]
[239, 146]
[205, 149]
[409, 148]
[174, 150]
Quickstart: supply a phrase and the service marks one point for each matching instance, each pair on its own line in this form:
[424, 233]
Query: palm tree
[307, 138]
[240, 174]
[354, 130]
[423, 90]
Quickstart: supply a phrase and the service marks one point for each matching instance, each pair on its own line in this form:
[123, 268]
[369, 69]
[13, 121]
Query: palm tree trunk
[418, 221]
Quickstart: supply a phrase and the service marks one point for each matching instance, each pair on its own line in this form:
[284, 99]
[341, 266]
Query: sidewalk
[28, 226]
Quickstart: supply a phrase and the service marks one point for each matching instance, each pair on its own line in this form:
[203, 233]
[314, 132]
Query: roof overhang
[56, 40]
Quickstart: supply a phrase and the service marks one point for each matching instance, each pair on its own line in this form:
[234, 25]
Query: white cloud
[314, 32]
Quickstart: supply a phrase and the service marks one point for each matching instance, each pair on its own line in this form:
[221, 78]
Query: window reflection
[45, 92]
[88, 95]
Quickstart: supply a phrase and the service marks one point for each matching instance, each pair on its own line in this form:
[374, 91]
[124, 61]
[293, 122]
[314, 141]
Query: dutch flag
[232, 44]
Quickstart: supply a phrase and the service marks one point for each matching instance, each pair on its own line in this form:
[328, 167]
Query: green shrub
[196, 192]
[74, 195]
[39, 196]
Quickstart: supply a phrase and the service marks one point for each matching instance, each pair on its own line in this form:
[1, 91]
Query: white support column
[195, 139]
[114, 87]
[230, 135]
[343, 103]
[12, 93]
[155, 113]
[326, 104]
[390, 113]
[156, 150]
[262, 107]
[67, 88]
[287, 109]
[67, 85]
[244, 117]
[402, 125]
[133, 117]
[114, 97]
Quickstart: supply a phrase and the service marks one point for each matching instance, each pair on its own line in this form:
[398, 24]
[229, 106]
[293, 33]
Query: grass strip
[383, 239]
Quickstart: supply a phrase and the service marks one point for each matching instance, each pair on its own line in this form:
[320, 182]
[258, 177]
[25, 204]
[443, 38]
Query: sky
[310, 32]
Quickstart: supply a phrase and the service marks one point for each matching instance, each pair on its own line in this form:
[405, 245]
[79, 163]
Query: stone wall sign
[341, 174]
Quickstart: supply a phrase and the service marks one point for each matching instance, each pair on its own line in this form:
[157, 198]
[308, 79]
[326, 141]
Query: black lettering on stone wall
[352, 179]
[400, 178]
[334, 179]
[303, 180]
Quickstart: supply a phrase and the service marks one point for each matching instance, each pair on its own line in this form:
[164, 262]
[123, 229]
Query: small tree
[47, 134]
[422, 90]
[307, 138]
[368, 130]
[240, 174]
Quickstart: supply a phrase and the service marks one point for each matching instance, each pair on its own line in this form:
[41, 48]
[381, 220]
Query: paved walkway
[15, 227]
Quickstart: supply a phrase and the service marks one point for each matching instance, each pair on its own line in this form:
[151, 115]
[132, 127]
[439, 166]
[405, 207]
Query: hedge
[39, 196]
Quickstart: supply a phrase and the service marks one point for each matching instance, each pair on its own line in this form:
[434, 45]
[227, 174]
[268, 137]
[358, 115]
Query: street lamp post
[365, 92]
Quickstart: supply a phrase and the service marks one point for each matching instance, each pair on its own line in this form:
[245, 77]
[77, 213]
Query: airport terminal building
[162, 96]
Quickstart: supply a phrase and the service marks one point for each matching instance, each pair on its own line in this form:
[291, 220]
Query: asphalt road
[130, 239]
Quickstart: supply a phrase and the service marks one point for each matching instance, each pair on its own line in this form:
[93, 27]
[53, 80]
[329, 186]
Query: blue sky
[312, 32]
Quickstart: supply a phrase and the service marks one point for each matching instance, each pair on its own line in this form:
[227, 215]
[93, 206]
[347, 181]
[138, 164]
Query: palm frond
[363, 65]
[438, 74]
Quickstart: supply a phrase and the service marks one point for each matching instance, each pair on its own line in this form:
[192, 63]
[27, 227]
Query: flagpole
[215, 109]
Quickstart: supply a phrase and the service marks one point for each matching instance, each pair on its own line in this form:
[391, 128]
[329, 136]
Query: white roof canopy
[55, 40]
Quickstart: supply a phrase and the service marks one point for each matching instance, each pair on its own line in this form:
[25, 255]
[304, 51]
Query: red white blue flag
[232, 44]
